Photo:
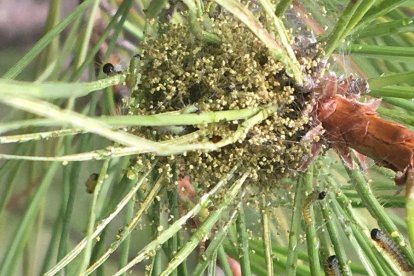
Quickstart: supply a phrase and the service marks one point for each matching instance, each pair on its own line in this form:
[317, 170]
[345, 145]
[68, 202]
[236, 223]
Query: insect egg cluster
[179, 71]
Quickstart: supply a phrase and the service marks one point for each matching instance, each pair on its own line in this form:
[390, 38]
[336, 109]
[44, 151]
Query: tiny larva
[108, 68]
[315, 195]
[391, 248]
[91, 183]
[332, 267]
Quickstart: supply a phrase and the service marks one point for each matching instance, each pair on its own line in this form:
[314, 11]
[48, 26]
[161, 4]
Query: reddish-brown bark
[351, 124]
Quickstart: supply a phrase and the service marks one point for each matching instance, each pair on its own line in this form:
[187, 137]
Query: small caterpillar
[315, 195]
[389, 246]
[332, 267]
[91, 183]
[108, 69]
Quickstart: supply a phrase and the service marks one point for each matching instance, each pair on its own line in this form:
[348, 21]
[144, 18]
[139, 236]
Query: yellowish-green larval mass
[179, 72]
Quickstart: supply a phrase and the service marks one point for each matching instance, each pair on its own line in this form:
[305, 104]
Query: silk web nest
[180, 72]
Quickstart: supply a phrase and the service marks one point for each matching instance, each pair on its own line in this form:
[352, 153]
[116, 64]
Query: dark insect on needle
[91, 183]
[108, 68]
[332, 267]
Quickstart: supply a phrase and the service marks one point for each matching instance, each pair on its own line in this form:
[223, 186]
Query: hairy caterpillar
[315, 195]
[332, 267]
[391, 248]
